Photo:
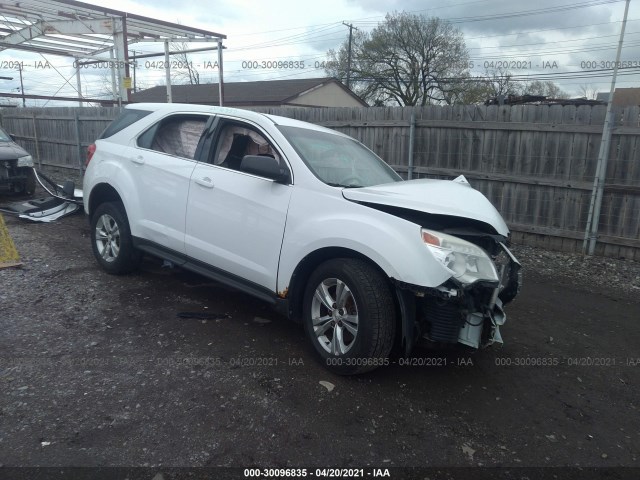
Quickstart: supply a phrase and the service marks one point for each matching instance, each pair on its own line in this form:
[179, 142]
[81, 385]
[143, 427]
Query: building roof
[266, 92]
[622, 97]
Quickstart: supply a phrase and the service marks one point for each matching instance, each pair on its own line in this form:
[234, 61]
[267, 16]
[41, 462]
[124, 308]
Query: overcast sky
[561, 40]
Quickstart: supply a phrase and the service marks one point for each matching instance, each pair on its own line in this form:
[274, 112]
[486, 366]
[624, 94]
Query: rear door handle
[205, 182]
[139, 160]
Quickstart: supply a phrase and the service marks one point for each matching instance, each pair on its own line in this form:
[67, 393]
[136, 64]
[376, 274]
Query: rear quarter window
[128, 117]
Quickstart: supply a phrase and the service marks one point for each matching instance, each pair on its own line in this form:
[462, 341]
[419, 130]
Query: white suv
[307, 219]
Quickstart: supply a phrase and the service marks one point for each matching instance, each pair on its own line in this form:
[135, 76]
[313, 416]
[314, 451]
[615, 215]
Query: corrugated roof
[40, 26]
[266, 92]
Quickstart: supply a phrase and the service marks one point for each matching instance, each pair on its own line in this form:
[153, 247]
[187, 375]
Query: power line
[524, 13]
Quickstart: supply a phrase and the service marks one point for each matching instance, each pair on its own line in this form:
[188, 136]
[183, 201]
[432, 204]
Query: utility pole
[24, 101]
[593, 220]
[351, 28]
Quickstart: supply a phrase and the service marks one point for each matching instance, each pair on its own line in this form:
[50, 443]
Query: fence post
[78, 142]
[35, 138]
[412, 136]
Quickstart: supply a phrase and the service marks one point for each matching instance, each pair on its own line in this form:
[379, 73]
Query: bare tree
[185, 72]
[406, 60]
[107, 88]
[501, 83]
[469, 91]
[588, 91]
[547, 89]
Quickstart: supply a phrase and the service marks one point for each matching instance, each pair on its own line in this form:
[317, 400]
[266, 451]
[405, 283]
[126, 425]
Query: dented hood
[441, 197]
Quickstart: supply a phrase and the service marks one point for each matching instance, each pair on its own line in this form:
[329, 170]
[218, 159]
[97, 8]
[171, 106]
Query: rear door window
[177, 135]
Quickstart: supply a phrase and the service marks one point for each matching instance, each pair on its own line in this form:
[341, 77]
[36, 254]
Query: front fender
[318, 220]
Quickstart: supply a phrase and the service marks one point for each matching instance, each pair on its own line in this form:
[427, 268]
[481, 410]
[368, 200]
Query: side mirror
[265, 166]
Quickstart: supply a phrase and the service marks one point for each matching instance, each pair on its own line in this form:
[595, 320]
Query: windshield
[339, 161]
[4, 136]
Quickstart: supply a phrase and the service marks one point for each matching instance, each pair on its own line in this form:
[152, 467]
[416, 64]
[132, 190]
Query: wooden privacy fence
[57, 136]
[535, 163]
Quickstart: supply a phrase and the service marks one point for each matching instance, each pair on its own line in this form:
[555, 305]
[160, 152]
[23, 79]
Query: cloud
[283, 30]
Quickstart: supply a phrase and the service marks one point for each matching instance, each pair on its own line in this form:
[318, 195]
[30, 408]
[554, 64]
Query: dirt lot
[97, 370]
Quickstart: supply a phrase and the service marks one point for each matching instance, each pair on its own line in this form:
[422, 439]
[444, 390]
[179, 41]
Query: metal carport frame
[83, 31]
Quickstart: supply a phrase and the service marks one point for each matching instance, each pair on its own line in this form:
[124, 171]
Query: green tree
[406, 60]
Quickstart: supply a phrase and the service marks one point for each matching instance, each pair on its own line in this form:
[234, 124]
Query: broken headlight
[467, 262]
[26, 161]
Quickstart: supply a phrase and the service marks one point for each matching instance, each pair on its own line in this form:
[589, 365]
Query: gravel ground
[588, 271]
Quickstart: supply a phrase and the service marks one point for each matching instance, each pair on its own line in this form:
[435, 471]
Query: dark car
[16, 166]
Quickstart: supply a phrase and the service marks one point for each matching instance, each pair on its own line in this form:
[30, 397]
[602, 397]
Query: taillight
[91, 149]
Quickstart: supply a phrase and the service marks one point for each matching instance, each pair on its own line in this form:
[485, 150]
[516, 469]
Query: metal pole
[151, 55]
[36, 140]
[134, 72]
[79, 83]
[125, 59]
[114, 88]
[167, 71]
[591, 233]
[220, 74]
[119, 71]
[76, 121]
[412, 136]
[24, 101]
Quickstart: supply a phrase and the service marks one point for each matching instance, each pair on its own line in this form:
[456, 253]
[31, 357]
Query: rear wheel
[111, 239]
[349, 315]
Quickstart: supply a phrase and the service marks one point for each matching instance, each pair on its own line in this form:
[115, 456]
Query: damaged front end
[469, 307]
[63, 200]
[465, 233]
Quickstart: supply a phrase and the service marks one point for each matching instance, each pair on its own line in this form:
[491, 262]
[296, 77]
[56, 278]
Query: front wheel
[349, 315]
[111, 239]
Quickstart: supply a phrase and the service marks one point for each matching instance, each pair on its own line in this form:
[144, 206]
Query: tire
[352, 329]
[111, 239]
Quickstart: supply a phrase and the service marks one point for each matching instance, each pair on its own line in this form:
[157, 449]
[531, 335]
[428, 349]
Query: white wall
[329, 95]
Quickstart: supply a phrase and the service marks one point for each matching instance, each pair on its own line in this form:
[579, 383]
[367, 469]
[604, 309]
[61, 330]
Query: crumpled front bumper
[482, 327]
[454, 313]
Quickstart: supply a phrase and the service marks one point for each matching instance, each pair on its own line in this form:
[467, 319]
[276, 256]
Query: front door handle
[205, 182]
[139, 160]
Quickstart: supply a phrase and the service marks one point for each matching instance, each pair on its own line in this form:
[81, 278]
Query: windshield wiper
[351, 185]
